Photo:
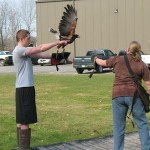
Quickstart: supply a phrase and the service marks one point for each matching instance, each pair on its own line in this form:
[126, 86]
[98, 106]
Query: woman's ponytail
[134, 49]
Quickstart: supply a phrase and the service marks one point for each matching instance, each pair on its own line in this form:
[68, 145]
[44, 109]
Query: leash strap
[56, 57]
[132, 75]
[135, 80]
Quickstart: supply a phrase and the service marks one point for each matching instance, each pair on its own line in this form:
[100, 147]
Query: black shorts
[25, 105]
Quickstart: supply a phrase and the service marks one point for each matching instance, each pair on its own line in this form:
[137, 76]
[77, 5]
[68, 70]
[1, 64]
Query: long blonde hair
[135, 48]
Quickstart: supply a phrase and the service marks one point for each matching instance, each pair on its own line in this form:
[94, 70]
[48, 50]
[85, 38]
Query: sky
[15, 3]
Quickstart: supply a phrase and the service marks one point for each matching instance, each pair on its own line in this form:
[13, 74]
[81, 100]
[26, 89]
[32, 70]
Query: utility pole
[74, 41]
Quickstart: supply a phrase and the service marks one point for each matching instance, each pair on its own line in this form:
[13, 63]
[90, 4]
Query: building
[111, 24]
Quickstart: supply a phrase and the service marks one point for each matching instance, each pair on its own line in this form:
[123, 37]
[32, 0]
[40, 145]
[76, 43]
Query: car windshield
[5, 53]
[100, 52]
[109, 53]
[89, 53]
[2, 53]
[8, 52]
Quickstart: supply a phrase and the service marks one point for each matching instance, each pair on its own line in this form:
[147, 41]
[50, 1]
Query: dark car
[81, 63]
[34, 61]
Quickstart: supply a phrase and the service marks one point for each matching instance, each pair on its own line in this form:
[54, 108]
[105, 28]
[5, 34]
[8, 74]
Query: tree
[3, 22]
[28, 14]
[14, 17]
[14, 24]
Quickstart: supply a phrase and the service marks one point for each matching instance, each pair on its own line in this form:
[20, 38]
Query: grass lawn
[69, 107]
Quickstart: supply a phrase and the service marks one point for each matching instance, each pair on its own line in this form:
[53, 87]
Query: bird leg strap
[57, 54]
[63, 53]
[91, 73]
[57, 68]
[93, 58]
[56, 59]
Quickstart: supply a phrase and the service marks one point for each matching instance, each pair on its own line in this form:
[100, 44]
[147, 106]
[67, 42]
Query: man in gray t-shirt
[25, 92]
[23, 63]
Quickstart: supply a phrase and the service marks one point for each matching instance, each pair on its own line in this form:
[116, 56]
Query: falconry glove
[93, 58]
[58, 57]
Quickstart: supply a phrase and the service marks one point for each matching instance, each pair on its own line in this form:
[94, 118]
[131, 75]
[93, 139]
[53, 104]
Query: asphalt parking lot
[68, 68]
[48, 69]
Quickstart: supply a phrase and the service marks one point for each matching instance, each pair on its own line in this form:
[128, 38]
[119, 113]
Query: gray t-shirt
[24, 69]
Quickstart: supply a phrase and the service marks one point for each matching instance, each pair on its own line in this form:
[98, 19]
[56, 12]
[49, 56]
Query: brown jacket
[123, 84]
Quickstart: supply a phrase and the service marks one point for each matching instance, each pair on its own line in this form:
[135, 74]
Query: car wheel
[2, 62]
[79, 70]
[99, 69]
[10, 64]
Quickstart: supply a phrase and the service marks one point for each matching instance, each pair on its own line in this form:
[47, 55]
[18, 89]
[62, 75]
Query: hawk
[67, 26]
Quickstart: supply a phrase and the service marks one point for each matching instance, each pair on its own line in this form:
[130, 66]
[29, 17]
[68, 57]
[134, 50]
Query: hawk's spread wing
[68, 23]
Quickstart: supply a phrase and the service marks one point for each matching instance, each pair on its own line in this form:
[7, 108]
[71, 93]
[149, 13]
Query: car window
[100, 52]
[2, 53]
[109, 53]
[8, 53]
[89, 53]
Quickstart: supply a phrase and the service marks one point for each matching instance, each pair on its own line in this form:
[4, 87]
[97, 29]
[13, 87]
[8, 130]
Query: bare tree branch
[14, 24]
[14, 17]
[27, 13]
[3, 22]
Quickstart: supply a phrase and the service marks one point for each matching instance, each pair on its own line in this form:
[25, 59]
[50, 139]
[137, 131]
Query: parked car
[62, 59]
[145, 57]
[34, 61]
[6, 58]
[42, 61]
[81, 63]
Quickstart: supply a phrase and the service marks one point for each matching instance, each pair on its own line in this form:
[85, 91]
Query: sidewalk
[131, 143]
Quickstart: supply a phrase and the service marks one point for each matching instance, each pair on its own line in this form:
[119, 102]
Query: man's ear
[21, 39]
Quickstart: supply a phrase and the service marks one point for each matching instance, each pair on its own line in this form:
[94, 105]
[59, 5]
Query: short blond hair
[22, 33]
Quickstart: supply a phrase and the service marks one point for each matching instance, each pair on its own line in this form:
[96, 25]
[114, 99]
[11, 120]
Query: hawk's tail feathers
[52, 31]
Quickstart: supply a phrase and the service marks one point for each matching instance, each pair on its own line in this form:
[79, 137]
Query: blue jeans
[120, 108]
